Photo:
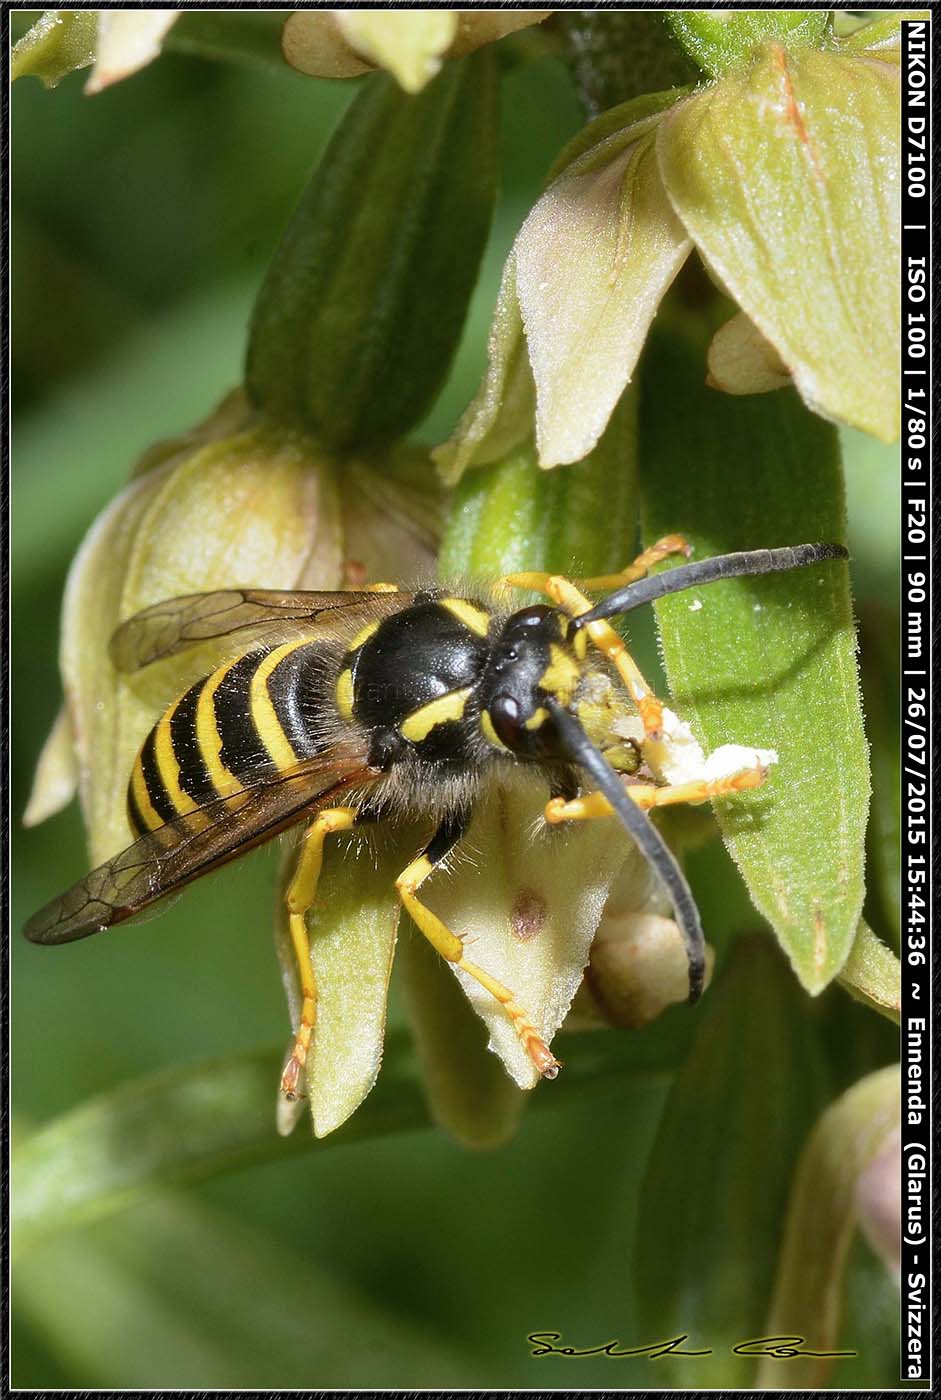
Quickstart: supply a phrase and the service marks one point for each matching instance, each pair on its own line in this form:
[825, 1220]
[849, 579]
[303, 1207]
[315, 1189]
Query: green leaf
[872, 974]
[879, 663]
[59, 42]
[719, 40]
[183, 1295]
[786, 176]
[362, 308]
[808, 1291]
[202, 1120]
[713, 1199]
[771, 661]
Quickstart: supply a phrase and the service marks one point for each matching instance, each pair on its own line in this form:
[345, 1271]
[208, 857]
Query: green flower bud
[720, 40]
[741, 361]
[410, 44]
[879, 1202]
[637, 964]
[362, 308]
[847, 1173]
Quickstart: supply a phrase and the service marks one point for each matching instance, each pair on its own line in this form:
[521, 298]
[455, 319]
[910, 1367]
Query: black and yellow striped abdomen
[247, 721]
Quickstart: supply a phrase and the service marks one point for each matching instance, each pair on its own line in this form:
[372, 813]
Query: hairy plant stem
[614, 55]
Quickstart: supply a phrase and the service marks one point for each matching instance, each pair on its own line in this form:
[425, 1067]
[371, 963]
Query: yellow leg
[670, 544]
[646, 795]
[299, 898]
[450, 947]
[567, 596]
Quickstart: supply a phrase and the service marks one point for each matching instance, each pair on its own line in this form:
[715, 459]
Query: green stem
[614, 55]
[187, 1124]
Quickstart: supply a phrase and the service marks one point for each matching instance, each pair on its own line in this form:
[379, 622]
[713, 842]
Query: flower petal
[787, 177]
[741, 361]
[352, 932]
[410, 44]
[393, 515]
[530, 910]
[56, 778]
[313, 43]
[244, 510]
[500, 416]
[594, 258]
[478, 27]
[127, 40]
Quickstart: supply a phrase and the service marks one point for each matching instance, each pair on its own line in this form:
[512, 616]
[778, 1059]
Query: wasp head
[537, 655]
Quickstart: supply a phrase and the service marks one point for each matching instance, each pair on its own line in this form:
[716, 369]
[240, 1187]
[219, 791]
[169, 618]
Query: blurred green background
[142, 221]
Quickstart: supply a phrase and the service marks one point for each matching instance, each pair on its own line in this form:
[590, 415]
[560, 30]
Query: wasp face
[535, 655]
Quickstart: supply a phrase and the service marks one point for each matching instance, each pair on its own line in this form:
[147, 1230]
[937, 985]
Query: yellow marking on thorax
[420, 723]
[167, 765]
[561, 676]
[344, 694]
[151, 817]
[209, 739]
[475, 619]
[489, 733]
[264, 714]
[363, 635]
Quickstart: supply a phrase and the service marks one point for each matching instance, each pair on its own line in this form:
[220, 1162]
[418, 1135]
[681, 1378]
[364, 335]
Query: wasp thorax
[531, 660]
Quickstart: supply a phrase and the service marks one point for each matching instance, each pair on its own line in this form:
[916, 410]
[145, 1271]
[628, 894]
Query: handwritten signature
[781, 1348]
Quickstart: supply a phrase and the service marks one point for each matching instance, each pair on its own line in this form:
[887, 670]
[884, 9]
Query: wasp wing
[191, 845]
[178, 623]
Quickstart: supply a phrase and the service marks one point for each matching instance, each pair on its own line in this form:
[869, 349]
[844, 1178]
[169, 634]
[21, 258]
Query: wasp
[352, 707]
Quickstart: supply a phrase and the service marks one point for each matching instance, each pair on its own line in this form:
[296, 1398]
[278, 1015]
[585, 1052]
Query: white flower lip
[678, 758]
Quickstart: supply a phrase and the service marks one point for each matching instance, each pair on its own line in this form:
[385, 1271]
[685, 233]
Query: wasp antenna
[753, 561]
[579, 748]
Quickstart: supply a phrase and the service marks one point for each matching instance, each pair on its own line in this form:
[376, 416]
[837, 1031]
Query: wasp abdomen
[247, 720]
